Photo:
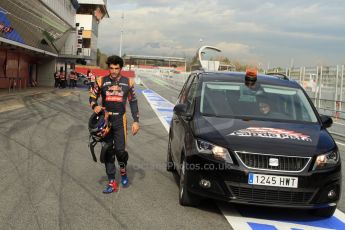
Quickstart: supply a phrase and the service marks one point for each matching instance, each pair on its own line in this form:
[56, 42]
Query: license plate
[272, 180]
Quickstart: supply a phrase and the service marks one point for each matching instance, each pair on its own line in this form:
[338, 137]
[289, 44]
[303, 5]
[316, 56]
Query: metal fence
[324, 85]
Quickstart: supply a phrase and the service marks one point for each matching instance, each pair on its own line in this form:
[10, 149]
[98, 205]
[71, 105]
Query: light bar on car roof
[251, 74]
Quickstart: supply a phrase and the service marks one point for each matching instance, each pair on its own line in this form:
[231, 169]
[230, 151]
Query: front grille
[261, 161]
[270, 195]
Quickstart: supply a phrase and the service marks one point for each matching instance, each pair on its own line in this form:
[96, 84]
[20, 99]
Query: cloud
[266, 30]
[154, 45]
[234, 49]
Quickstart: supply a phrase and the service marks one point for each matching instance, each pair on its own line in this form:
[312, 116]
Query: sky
[268, 33]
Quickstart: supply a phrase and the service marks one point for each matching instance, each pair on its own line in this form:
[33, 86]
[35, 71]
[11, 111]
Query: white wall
[70, 46]
[89, 23]
[86, 52]
[45, 72]
[84, 21]
[94, 42]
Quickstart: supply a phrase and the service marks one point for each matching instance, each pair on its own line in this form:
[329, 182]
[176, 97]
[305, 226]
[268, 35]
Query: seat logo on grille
[274, 162]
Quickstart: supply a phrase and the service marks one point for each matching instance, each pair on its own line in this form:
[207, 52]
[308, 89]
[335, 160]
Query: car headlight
[218, 152]
[326, 160]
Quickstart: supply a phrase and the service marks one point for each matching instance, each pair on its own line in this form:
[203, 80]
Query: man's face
[251, 85]
[264, 108]
[114, 70]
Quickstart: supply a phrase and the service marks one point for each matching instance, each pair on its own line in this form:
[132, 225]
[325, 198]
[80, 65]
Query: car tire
[324, 212]
[185, 197]
[170, 164]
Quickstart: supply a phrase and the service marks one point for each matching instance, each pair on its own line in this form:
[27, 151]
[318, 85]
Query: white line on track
[340, 143]
[338, 123]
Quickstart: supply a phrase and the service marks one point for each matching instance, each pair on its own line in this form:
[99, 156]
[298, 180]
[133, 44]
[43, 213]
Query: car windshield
[233, 99]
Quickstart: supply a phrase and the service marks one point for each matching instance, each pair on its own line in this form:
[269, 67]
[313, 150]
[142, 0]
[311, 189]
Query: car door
[178, 123]
[175, 126]
[187, 140]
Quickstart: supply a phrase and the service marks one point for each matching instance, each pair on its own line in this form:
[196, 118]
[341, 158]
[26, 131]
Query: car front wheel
[170, 163]
[185, 197]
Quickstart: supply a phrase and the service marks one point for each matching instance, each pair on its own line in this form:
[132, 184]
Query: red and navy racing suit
[115, 92]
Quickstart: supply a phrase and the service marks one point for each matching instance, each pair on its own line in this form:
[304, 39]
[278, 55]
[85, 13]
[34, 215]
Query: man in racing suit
[115, 90]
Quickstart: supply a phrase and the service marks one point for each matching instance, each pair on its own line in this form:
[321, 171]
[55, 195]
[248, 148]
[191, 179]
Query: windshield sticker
[271, 133]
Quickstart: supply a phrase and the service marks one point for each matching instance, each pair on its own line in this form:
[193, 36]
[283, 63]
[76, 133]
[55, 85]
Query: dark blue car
[253, 139]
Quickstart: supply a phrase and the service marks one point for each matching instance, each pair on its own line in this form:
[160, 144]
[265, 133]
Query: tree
[221, 59]
[239, 66]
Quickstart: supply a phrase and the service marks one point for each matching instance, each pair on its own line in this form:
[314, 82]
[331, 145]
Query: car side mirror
[326, 121]
[180, 109]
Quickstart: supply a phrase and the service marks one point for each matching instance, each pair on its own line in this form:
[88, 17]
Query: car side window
[191, 95]
[183, 95]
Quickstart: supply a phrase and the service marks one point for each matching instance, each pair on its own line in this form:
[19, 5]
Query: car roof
[240, 76]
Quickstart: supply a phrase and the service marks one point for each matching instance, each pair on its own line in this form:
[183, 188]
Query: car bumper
[230, 183]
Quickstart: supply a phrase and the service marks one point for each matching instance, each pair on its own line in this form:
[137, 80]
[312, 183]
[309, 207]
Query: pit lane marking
[161, 106]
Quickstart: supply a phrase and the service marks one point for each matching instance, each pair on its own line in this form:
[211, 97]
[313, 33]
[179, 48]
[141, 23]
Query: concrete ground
[49, 181]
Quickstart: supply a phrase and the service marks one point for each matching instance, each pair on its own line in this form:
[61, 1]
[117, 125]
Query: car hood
[269, 137]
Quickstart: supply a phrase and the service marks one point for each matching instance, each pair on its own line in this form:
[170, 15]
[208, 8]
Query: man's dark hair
[114, 59]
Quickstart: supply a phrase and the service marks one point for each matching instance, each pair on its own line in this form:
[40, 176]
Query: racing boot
[111, 187]
[124, 177]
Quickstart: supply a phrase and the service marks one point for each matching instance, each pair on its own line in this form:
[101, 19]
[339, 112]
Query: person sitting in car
[264, 107]
[267, 109]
